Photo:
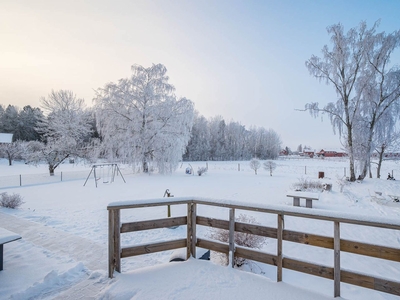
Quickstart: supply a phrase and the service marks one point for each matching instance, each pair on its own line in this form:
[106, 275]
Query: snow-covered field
[63, 225]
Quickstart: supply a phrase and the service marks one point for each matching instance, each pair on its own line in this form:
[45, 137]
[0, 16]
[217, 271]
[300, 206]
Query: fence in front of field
[335, 242]
[12, 181]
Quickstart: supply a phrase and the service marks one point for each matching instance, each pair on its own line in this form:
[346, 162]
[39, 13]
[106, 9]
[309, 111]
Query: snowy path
[71, 247]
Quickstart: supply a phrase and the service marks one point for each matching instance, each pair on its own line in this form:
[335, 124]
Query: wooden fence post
[279, 248]
[232, 236]
[117, 244]
[336, 267]
[111, 241]
[189, 230]
[194, 238]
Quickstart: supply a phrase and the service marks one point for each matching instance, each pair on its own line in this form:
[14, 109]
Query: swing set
[106, 172]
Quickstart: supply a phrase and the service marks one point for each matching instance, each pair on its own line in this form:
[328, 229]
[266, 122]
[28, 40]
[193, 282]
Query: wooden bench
[303, 195]
[6, 236]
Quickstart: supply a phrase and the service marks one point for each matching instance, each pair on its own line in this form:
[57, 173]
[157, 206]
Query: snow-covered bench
[6, 236]
[303, 195]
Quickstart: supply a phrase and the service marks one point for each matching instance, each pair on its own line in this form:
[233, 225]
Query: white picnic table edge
[304, 195]
[7, 236]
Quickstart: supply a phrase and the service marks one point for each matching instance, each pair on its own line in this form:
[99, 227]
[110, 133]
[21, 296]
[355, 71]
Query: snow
[64, 229]
[7, 236]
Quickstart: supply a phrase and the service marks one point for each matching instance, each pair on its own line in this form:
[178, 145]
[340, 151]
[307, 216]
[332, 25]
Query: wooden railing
[336, 243]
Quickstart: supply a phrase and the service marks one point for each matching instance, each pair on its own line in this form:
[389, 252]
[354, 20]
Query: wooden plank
[370, 282]
[111, 242]
[213, 245]
[279, 248]
[386, 286]
[194, 238]
[239, 227]
[232, 237]
[210, 222]
[117, 240]
[153, 224]
[264, 209]
[189, 231]
[308, 268]
[157, 202]
[256, 255]
[336, 255]
[357, 279]
[308, 239]
[153, 248]
[370, 250]
[256, 229]
[309, 214]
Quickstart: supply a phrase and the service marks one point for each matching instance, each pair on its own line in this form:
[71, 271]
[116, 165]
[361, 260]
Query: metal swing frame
[114, 171]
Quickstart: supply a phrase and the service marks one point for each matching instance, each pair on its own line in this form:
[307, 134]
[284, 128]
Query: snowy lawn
[76, 217]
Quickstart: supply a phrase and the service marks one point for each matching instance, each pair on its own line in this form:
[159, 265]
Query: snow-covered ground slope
[64, 229]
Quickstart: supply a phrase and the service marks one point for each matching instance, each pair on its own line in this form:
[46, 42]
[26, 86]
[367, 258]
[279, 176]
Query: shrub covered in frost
[10, 201]
[308, 185]
[241, 239]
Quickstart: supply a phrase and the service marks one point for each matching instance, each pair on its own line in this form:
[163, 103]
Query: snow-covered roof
[6, 138]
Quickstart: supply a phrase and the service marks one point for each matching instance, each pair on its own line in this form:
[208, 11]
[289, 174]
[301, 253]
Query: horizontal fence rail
[335, 243]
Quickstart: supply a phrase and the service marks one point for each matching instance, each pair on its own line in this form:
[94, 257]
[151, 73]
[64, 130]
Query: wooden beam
[308, 268]
[308, 239]
[194, 238]
[213, 245]
[239, 227]
[336, 259]
[210, 222]
[152, 248]
[111, 241]
[256, 255]
[279, 249]
[232, 237]
[189, 231]
[256, 229]
[370, 250]
[153, 224]
[117, 241]
[370, 282]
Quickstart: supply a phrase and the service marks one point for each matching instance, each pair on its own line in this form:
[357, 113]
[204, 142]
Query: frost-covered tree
[255, 164]
[28, 119]
[217, 138]
[141, 121]
[65, 125]
[11, 151]
[198, 148]
[9, 119]
[270, 166]
[343, 66]
[380, 90]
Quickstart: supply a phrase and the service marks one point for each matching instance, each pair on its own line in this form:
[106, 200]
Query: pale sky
[243, 60]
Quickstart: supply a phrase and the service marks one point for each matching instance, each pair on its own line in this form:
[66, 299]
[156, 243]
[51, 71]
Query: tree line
[138, 121]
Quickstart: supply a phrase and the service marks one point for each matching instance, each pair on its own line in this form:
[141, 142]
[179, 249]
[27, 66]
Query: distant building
[331, 153]
[307, 152]
[6, 138]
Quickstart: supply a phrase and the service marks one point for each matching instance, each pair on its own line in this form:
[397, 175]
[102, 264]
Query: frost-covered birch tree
[64, 127]
[141, 121]
[380, 90]
[342, 67]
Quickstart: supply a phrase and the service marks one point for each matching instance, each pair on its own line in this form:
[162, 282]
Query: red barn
[331, 153]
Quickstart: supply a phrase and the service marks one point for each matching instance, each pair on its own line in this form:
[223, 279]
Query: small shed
[6, 138]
